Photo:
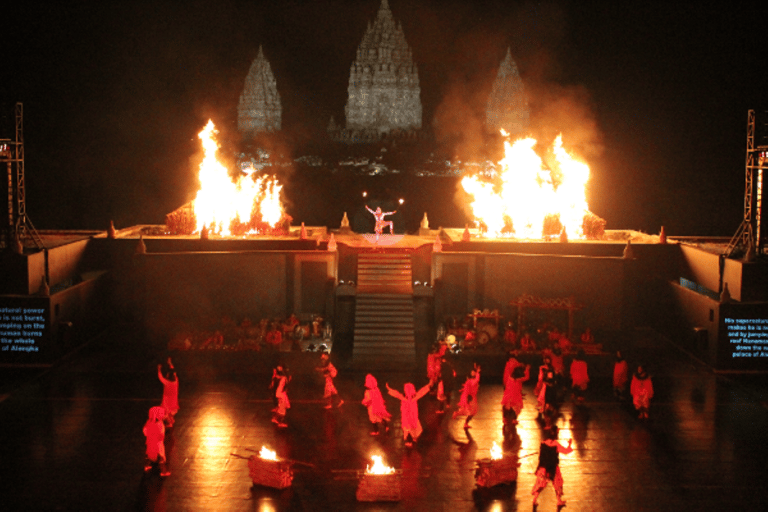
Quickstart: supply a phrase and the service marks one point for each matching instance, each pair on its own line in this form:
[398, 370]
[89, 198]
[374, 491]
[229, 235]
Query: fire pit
[379, 482]
[497, 469]
[267, 470]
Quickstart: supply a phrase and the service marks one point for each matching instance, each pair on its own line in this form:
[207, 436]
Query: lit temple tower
[259, 109]
[507, 104]
[384, 92]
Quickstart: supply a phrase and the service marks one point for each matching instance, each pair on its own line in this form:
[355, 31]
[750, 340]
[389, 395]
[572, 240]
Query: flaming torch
[379, 482]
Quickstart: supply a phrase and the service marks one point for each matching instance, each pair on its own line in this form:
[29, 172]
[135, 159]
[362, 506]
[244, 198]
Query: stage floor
[73, 441]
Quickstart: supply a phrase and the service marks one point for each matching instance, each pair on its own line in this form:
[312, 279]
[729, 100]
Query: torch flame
[223, 204]
[496, 453]
[267, 454]
[378, 468]
[529, 194]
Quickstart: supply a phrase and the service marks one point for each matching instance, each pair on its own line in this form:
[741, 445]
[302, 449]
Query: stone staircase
[384, 337]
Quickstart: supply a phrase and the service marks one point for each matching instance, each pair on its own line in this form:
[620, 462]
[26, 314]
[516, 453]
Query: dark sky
[653, 95]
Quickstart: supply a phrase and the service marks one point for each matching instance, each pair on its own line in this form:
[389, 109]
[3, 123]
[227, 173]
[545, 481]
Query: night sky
[653, 95]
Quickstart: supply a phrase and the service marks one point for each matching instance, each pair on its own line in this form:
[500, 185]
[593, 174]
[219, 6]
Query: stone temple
[384, 94]
[259, 109]
[507, 104]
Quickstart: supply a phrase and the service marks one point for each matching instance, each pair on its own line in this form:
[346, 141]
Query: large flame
[531, 200]
[267, 454]
[378, 468]
[245, 205]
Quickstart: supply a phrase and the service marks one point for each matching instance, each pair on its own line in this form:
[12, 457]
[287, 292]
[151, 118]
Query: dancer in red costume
[329, 373]
[170, 393]
[468, 401]
[280, 379]
[374, 402]
[512, 402]
[642, 391]
[579, 376]
[409, 411]
[154, 430]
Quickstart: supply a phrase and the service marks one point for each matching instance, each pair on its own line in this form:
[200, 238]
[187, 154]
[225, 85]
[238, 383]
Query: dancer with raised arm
[380, 222]
[549, 465]
[170, 401]
[409, 411]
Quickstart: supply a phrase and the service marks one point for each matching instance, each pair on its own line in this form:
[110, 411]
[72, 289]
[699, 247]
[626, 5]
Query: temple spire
[259, 109]
[508, 104]
[384, 93]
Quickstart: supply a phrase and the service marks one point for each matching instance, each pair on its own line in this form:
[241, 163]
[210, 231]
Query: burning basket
[379, 482]
[496, 470]
[266, 470]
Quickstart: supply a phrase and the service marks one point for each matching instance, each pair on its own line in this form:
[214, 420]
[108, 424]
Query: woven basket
[270, 473]
[494, 472]
[379, 487]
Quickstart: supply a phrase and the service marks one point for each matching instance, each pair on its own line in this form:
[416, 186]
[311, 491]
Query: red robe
[409, 409]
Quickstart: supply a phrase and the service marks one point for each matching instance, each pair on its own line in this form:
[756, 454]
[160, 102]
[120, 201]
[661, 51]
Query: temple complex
[384, 93]
[259, 109]
[507, 104]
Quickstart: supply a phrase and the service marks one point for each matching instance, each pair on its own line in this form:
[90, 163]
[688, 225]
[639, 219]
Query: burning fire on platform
[532, 200]
[267, 454]
[496, 453]
[227, 206]
[378, 468]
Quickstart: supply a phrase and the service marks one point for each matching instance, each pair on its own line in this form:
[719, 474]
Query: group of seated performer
[547, 337]
[227, 334]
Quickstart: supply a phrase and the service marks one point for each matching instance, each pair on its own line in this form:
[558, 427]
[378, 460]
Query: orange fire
[227, 207]
[267, 454]
[378, 468]
[531, 200]
[496, 453]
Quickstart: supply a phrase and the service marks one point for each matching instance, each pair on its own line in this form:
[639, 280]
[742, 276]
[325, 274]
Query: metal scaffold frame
[750, 235]
[17, 225]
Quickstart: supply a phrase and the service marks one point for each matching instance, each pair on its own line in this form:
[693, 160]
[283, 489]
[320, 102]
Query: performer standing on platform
[280, 379]
[329, 373]
[409, 411]
[377, 410]
[512, 402]
[170, 401]
[642, 391]
[579, 376]
[468, 401]
[154, 431]
[549, 465]
[380, 222]
[620, 375]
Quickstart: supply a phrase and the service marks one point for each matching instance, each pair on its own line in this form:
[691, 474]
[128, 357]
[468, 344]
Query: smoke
[537, 35]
